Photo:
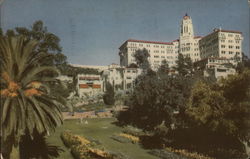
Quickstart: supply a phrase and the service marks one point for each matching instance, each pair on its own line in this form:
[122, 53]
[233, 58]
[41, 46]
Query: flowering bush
[70, 139]
[132, 138]
[188, 154]
[82, 148]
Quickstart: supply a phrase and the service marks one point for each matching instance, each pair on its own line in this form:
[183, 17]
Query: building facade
[209, 52]
[216, 67]
[88, 84]
[187, 44]
[158, 52]
[121, 78]
[215, 54]
[222, 43]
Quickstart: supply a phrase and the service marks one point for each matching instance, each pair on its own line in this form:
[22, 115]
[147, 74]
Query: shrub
[183, 152]
[133, 139]
[109, 95]
[70, 139]
[81, 148]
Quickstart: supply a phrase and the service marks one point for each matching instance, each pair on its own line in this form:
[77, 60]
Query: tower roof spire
[186, 16]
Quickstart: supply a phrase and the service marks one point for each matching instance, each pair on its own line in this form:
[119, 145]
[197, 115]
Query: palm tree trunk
[15, 153]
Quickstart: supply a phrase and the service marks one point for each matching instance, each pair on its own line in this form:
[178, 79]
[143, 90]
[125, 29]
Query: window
[156, 56]
[162, 47]
[221, 70]
[223, 41]
[223, 52]
[230, 35]
[230, 46]
[223, 46]
[230, 41]
[230, 52]
[237, 47]
[237, 53]
[129, 77]
[222, 34]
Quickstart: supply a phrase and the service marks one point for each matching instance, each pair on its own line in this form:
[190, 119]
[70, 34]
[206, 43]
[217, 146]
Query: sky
[91, 31]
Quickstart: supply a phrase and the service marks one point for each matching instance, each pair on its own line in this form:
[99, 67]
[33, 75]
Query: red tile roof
[154, 42]
[223, 30]
[231, 31]
[186, 16]
[197, 37]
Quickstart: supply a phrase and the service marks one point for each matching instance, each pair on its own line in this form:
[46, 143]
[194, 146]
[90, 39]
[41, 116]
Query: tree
[154, 100]
[206, 105]
[133, 65]
[164, 68]
[27, 104]
[141, 58]
[39, 146]
[222, 109]
[236, 89]
[245, 63]
[109, 96]
[48, 42]
[184, 65]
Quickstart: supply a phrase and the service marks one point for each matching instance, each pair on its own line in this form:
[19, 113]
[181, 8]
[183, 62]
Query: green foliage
[225, 107]
[184, 65]
[155, 98]
[245, 63]
[133, 65]
[73, 71]
[109, 95]
[48, 43]
[141, 58]
[206, 106]
[164, 68]
[27, 104]
[39, 146]
[236, 89]
[81, 148]
[222, 109]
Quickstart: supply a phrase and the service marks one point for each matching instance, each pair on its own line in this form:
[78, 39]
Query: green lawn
[101, 130]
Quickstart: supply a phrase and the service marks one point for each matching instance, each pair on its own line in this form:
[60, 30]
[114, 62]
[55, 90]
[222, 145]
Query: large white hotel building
[220, 44]
[209, 53]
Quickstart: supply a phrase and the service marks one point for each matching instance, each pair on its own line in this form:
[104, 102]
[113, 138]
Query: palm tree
[26, 102]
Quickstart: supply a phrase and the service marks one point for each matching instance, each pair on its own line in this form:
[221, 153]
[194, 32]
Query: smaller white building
[219, 72]
[129, 76]
[65, 78]
[216, 67]
[88, 84]
[121, 78]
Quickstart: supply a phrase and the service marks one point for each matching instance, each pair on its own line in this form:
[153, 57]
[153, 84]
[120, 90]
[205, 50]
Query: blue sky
[91, 31]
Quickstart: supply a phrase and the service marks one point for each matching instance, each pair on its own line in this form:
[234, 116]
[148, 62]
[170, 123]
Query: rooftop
[186, 16]
[145, 41]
